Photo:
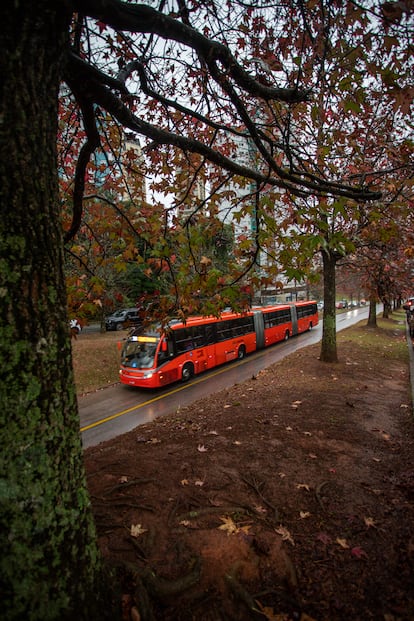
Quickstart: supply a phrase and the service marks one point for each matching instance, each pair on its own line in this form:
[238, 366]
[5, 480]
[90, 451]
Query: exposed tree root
[162, 588]
[318, 493]
[150, 588]
[126, 484]
[192, 515]
[241, 593]
[257, 485]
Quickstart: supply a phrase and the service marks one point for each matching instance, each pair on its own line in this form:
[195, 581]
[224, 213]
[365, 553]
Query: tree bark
[372, 316]
[49, 565]
[328, 346]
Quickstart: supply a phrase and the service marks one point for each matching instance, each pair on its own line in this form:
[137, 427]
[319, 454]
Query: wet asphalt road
[117, 409]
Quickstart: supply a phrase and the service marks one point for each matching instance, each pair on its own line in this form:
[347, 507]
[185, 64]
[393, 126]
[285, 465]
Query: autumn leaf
[201, 448]
[228, 525]
[269, 614]
[324, 538]
[342, 543]
[137, 530]
[304, 514]
[184, 481]
[231, 528]
[369, 522]
[303, 486]
[359, 552]
[285, 534]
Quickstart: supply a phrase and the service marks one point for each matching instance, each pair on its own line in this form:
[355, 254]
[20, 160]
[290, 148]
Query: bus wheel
[310, 326]
[241, 353]
[286, 335]
[187, 372]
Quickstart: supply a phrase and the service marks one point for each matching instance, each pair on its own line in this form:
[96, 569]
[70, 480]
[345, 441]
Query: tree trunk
[372, 316]
[49, 563]
[387, 310]
[328, 347]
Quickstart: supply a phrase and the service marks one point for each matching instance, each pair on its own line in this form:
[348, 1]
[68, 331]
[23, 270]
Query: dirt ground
[289, 497]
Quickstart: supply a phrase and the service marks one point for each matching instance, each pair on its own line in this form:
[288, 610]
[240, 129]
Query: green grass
[96, 360]
[377, 340]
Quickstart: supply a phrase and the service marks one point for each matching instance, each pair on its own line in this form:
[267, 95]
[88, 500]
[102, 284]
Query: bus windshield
[139, 352]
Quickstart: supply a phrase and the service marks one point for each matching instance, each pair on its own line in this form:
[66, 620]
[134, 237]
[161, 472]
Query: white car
[75, 326]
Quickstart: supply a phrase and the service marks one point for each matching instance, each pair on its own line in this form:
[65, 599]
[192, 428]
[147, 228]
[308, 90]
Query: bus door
[210, 347]
[259, 329]
[294, 316]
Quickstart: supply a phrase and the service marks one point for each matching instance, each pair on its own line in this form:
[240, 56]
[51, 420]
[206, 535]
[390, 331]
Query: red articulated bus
[151, 358]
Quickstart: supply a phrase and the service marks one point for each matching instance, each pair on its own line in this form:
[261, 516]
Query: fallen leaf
[184, 481]
[359, 552]
[185, 522]
[228, 525]
[212, 433]
[285, 534]
[201, 448]
[313, 456]
[324, 538]
[369, 522]
[198, 482]
[303, 486]
[342, 543]
[269, 614]
[227, 406]
[237, 442]
[307, 433]
[231, 527]
[289, 429]
[282, 475]
[123, 479]
[137, 530]
[304, 514]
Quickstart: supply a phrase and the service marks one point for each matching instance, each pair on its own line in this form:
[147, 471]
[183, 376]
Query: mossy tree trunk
[50, 567]
[328, 346]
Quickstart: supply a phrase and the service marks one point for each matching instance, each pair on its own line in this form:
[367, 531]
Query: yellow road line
[167, 394]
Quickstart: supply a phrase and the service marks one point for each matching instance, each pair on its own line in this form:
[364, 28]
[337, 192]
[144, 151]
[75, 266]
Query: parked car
[123, 318]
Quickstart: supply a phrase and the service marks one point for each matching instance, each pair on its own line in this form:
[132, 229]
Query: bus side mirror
[164, 346]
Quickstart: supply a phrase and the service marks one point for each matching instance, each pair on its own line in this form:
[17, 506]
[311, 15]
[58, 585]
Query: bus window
[138, 355]
[210, 332]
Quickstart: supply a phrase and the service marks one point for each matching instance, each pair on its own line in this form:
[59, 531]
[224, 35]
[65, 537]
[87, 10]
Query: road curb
[411, 363]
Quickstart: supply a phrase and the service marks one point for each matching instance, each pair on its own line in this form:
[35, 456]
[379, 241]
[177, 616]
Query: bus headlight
[148, 375]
